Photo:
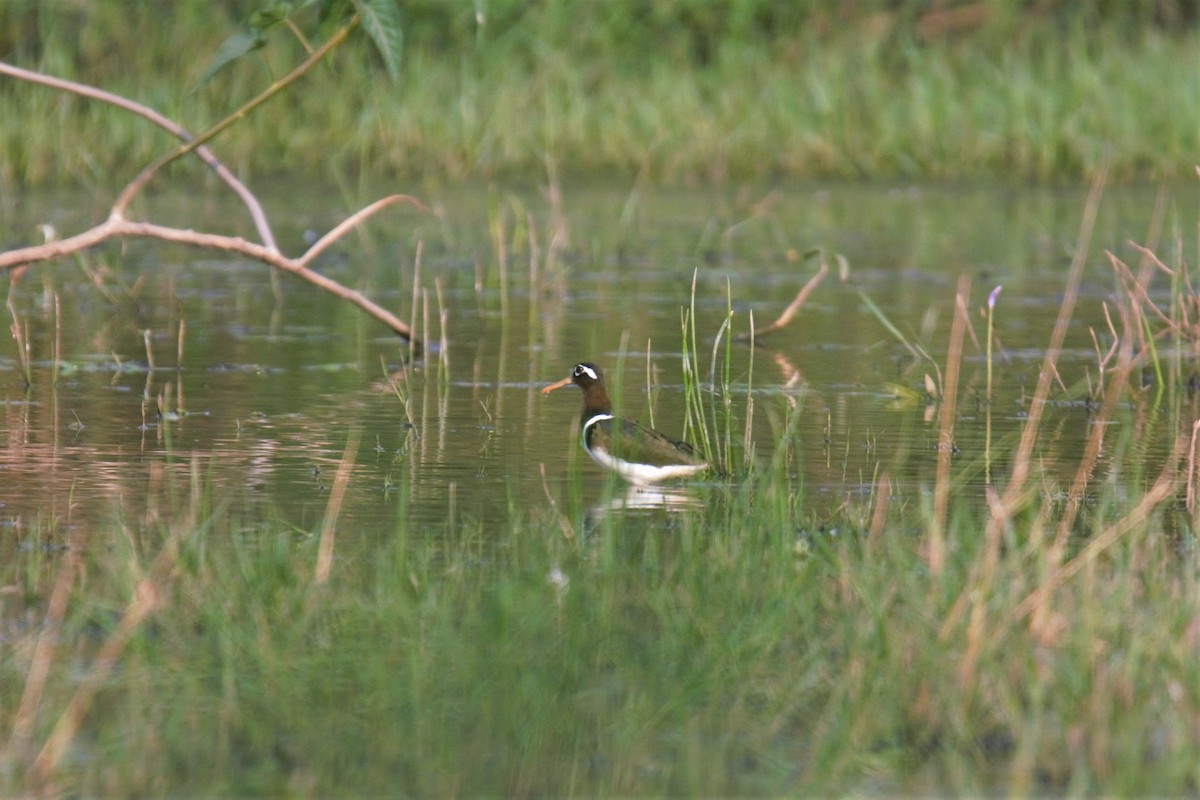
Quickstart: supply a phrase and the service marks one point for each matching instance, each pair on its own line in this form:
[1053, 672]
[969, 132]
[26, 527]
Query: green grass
[741, 647]
[676, 97]
[744, 646]
[744, 649]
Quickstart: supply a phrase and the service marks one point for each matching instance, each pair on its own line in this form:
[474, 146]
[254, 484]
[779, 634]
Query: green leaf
[245, 41]
[267, 16]
[381, 21]
[233, 48]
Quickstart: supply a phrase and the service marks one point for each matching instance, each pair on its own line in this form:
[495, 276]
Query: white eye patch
[583, 369]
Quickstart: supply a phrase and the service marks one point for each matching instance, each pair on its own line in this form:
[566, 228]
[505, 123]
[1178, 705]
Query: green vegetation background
[678, 90]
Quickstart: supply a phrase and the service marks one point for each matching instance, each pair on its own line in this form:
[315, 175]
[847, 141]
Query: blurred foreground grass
[738, 647]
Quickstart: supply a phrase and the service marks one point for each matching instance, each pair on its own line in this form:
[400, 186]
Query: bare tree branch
[117, 225]
[788, 313]
[149, 172]
[353, 221]
[202, 152]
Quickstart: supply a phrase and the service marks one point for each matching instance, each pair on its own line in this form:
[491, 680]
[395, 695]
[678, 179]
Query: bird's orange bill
[564, 382]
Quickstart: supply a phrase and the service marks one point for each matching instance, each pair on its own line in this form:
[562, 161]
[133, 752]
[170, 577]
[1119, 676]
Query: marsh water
[140, 369]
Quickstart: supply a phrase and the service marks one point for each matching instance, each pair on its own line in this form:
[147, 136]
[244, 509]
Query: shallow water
[154, 367]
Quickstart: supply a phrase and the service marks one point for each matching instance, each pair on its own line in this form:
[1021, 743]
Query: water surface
[152, 366]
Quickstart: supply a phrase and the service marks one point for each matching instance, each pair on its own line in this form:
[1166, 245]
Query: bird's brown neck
[595, 401]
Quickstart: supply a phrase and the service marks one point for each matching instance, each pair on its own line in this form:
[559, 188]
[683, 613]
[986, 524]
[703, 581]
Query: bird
[639, 454]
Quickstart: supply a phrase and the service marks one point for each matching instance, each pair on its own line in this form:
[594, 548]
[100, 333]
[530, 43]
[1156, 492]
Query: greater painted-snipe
[635, 452]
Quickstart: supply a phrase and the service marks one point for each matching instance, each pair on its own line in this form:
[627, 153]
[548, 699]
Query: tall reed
[708, 407]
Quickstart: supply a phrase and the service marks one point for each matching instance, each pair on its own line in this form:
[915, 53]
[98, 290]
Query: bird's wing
[643, 445]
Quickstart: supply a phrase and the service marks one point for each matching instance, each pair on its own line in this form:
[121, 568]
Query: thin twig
[788, 313]
[202, 152]
[268, 252]
[352, 221]
[138, 183]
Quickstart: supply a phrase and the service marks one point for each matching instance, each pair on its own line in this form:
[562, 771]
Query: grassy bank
[740, 91]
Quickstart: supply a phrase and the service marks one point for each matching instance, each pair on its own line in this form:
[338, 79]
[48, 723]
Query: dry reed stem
[179, 340]
[564, 524]
[1111, 390]
[20, 339]
[978, 584]
[961, 300]
[1149, 255]
[414, 343]
[883, 494]
[1024, 454]
[333, 509]
[146, 601]
[1190, 495]
[790, 312]
[748, 429]
[147, 598]
[1102, 360]
[977, 631]
[976, 624]
[43, 656]
[1140, 295]
[443, 332]
[936, 549]
[650, 382]
[1163, 489]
